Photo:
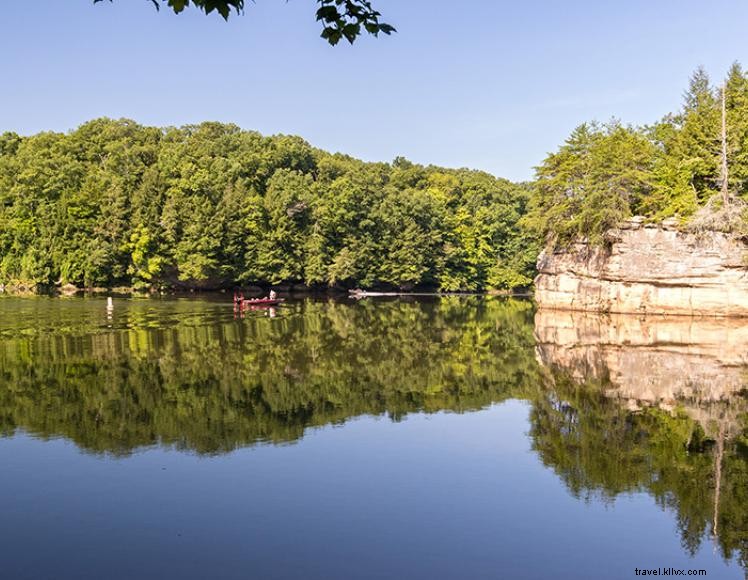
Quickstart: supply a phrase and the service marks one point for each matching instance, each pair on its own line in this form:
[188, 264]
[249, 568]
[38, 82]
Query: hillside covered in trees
[691, 166]
[114, 203]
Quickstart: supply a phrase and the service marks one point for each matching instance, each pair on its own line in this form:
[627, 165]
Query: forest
[114, 203]
[117, 204]
[691, 166]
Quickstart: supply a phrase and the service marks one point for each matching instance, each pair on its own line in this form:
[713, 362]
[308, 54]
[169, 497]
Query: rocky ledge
[648, 269]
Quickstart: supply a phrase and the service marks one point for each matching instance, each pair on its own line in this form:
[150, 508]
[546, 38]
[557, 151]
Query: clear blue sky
[487, 84]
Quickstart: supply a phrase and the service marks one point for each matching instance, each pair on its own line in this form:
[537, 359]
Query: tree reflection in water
[649, 404]
[619, 404]
[187, 374]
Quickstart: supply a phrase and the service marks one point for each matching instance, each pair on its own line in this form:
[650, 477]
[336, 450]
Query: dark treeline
[114, 203]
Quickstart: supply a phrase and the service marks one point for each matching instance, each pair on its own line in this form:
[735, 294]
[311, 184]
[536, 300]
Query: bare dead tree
[723, 173]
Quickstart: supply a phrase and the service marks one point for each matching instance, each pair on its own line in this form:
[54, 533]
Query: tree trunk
[723, 156]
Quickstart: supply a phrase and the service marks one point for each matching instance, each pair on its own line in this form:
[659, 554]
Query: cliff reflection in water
[650, 404]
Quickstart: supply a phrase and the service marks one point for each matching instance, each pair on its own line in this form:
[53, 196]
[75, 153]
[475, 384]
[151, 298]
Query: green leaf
[178, 5]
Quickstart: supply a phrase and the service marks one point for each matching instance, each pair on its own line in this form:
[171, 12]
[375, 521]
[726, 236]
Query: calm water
[454, 438]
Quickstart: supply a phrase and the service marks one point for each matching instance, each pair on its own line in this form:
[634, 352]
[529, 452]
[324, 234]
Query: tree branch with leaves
[340, 19]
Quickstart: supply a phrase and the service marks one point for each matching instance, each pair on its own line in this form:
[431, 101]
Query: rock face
[648, 269]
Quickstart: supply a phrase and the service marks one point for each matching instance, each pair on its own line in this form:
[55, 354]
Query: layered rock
[652, 269]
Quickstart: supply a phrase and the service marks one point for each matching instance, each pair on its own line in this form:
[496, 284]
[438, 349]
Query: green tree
[287, 205]
[599, 177]
[674, 168]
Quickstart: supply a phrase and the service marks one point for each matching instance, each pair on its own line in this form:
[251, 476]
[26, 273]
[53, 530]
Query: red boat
[261, 301]
[240, 302]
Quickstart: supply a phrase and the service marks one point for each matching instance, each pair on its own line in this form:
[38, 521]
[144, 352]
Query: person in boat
[273, 295]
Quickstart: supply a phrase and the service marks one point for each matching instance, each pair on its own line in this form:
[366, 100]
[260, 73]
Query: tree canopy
[210, 206]
[605, 173]
[339, 18]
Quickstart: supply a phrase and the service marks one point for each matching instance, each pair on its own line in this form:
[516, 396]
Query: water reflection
[652, 404]
[186, 373]
[617, 404]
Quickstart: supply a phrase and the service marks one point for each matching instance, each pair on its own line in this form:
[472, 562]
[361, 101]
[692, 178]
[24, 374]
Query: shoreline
[253, 291]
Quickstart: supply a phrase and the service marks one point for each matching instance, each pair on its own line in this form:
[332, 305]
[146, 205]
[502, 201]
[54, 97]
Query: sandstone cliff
[653, 269]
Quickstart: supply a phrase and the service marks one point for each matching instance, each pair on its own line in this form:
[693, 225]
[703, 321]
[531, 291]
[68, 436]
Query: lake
[455, 437]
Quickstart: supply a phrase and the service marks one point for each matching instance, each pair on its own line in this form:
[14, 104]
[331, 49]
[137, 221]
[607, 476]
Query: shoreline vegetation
[118, 205]
[298, 290]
